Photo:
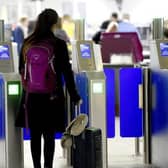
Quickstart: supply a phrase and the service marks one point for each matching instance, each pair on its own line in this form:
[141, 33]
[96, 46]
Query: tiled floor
[121, 154]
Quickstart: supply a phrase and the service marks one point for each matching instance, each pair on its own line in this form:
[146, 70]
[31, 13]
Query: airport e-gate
[92, 87]
[143, 103]
[11, 143]
[97, 91]
[121, 53]
[11, 138]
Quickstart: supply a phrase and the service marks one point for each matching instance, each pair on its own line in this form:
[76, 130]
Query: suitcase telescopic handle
[77, 110]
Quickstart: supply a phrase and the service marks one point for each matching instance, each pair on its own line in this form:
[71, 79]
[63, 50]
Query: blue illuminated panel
[4, 52]
[110, 101]
[164, 49]
[85, 50]
[82, 87]
[159, 101]
[159, 113]
[130, 113]
[2, 109]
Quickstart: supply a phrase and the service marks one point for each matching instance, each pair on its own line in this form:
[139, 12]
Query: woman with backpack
[43, 61]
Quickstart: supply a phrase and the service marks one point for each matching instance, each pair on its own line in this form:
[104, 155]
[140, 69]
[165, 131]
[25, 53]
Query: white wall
[99, 10]
[54, 4]
[143, 11]
[94, 11]
[12, 10]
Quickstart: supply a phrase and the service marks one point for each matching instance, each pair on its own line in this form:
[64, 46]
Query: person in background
[165, 33]
[68, 25]
[113, 18]
[96, 37]
[60, 33]
[46, 112]
[21, 32]
[126, 26]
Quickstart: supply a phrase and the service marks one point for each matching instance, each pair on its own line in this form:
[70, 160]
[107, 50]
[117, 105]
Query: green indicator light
[98, 88]
[13, 89]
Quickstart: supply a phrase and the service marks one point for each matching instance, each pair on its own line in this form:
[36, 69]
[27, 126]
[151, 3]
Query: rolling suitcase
[87, 149]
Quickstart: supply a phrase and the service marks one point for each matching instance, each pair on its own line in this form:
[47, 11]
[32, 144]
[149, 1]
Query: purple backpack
[40, 76]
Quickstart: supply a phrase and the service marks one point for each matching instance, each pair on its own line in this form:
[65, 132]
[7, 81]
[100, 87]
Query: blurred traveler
[113, 18]
[68, 25]
[44, 100]
[21, 32]
[126, 26]
[60, 33]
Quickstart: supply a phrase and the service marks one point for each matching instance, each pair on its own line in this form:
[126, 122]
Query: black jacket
[42, 112]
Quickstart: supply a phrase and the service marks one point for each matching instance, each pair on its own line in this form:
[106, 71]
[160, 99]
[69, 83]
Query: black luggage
[87, 149]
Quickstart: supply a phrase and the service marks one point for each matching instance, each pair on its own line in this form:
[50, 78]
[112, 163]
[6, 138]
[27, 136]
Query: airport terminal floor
[121, 153]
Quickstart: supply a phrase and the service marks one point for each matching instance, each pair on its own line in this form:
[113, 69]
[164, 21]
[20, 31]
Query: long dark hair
[45, 21]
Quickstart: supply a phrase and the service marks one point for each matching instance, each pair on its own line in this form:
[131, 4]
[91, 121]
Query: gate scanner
[8, 57]
[159, 54]
[11, 143]
[120, 53]
[90, 79]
